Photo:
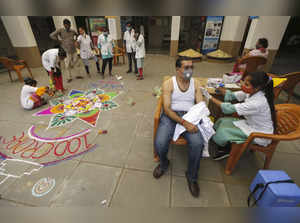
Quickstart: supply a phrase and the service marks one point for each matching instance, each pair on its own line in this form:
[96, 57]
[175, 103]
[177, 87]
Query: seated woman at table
[256, 105]
[261, 50]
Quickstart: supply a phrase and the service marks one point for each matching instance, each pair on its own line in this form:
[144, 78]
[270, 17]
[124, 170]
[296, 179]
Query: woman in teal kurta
[256, 105]
[106, 45]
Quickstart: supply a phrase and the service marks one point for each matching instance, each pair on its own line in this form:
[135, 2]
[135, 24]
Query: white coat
[140, 47]
[50, 59]
[130, 41]
[26, 92]
[106, 45]
[197, 113]
[85, 44]
[257, 113]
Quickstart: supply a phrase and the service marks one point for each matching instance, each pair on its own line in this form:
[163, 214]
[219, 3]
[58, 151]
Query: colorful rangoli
[83, 105]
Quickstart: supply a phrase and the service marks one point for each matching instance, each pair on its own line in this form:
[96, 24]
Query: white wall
[175, 28]
[58, 21]
[234, 28]
[270, 27]
[19, 31]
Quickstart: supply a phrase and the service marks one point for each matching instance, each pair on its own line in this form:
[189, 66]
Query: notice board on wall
[96, 24]
[212, 33]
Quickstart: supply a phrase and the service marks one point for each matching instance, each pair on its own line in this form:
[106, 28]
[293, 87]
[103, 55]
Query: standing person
[179, 94]
[51, 62]
[106, 45]
[86, 46]
[129, 42]
[140, 53]
[67, 37]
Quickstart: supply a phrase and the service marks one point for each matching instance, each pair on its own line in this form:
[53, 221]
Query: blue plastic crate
[276, 194]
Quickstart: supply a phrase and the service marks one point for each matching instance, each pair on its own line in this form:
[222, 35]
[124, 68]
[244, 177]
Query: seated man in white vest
[179, 94]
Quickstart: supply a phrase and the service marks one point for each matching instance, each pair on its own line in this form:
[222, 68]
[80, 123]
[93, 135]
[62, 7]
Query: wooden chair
[15, 65]
[288, 128]
[289, 86]
[119, 52]
[159, 108]
[252, 63]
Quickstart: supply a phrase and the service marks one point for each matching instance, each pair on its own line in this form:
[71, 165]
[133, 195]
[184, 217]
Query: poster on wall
[112, 28]
[212, 33]
[96, 24]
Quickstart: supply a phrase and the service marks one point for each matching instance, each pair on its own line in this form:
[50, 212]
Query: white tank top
[182, 101]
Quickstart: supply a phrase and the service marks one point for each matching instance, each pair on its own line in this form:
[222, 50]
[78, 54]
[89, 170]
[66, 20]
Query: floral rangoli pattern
[83, 105]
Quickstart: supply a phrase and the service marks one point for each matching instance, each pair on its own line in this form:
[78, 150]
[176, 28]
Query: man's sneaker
[221, 154]
[129, 71]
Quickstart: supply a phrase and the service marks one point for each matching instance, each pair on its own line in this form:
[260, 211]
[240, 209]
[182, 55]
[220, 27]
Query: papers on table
[230, 79]
[232, 86]
[214, 82]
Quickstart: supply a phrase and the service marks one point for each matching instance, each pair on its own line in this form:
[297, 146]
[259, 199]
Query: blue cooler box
[276, 194]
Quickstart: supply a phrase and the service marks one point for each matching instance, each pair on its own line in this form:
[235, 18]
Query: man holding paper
[180, 93]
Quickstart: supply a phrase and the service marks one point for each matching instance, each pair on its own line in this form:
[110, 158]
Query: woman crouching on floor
[256, 105]
[31, 96]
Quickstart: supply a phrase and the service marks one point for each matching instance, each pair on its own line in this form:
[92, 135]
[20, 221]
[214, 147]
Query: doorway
[41, 27]
[157, 31]
[288, 54]
[6, 47]
[191, 32]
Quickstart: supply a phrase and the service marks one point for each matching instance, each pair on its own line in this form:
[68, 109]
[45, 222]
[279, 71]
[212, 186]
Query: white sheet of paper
[232, 86]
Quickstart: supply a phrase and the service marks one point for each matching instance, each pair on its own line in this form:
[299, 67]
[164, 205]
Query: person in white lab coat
[86, 46]
[256, 105]
[260, 50]
[51, 62]
[31, 96]
[129, 42]
[106, 45]
[140, 53]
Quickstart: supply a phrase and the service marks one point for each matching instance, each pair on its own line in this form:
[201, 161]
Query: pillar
[175, 29]
[232, 34]
[58, 22]
[270, 27]
[114, 27]
[21, 36]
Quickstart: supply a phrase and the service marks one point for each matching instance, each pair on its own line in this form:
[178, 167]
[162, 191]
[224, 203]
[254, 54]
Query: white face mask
[187, 74]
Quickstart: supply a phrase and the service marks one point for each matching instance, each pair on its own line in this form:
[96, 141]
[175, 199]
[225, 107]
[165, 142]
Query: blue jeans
[163, 137]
